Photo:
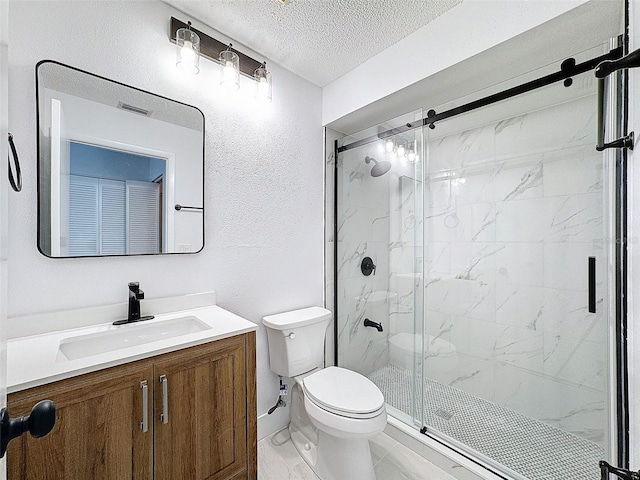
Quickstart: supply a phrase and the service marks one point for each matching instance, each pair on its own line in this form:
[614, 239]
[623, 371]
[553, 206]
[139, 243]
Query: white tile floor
[279, 460]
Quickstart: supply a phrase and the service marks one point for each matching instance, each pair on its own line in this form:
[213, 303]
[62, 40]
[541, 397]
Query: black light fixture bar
[211, 48]
[567, 70]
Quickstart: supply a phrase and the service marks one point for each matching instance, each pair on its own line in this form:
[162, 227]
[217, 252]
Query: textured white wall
[466, 30]
[4, 186]
[264, 174]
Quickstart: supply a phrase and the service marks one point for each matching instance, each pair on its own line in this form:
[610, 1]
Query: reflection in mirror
[114, 161]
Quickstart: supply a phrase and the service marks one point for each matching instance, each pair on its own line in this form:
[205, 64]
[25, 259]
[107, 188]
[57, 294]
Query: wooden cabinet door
[203, 432]
[97, 434]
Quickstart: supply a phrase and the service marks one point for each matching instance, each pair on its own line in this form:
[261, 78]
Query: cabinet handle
[164, 416]
[144, 425]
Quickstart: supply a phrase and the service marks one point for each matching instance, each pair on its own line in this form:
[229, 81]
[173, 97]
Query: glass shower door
[379, 259]
[517, 202]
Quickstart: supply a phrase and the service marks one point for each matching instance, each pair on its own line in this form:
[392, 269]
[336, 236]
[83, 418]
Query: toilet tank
[296, 340]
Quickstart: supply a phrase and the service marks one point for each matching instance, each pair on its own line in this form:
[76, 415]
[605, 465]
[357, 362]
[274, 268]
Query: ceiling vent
[132, 109]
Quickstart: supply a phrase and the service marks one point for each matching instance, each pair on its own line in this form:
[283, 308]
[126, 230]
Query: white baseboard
[268, 424]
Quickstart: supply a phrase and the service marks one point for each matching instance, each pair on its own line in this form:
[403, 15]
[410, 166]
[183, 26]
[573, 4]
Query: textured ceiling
[319, 40]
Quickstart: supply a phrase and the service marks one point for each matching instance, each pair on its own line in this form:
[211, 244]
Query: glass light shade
[230, 70]
[188, 53]
[402, 149]
[389, 145]
[263, 83]
[411, 154]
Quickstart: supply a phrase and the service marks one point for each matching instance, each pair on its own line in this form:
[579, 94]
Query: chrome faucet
[135, 295]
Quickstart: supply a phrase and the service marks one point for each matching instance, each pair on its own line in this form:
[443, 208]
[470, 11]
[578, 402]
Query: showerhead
[379, 168]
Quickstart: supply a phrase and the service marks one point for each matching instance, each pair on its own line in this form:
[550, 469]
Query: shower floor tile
[534, 449]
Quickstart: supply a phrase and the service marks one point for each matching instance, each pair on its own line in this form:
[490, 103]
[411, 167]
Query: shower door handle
[623, 142]
[592, 284]
[603, 70]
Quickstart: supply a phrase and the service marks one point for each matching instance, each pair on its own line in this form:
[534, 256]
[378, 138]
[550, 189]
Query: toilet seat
[344, 392]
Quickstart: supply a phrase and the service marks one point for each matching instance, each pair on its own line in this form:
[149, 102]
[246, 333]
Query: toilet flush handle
[292, 335]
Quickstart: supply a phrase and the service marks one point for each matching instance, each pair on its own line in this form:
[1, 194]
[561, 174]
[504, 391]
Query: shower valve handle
[367, 267]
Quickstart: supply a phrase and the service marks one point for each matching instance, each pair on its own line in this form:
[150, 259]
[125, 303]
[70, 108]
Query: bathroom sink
[73, 348]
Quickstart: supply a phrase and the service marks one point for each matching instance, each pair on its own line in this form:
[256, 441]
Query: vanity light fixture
[263, 83]
[188, 53]
[389, 145]
[402, 149]
[411, 156]
[230, 69]
[233, 63]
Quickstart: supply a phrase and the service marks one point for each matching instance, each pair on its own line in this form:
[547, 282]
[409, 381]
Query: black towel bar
[179, 207]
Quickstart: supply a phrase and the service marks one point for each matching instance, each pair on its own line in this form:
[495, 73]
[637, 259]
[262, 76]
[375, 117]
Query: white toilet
[346, 408]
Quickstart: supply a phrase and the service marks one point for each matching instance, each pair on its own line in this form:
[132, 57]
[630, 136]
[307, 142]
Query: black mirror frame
[38, 171]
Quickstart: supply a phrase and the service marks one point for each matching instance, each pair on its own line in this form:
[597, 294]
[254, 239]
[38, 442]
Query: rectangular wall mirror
[120, 170]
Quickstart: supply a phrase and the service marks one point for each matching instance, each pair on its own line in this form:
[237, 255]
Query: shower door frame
[567, 70]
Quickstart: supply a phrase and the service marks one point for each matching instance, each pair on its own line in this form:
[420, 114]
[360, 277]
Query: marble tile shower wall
[405, 260]
[363, 230]
[512, 211]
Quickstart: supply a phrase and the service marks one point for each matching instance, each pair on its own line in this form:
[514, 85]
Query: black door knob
[39, 423]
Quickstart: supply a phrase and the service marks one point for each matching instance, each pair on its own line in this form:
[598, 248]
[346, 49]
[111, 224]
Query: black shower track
[567, 70]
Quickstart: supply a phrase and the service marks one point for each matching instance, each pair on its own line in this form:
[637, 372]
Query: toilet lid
[343, 391]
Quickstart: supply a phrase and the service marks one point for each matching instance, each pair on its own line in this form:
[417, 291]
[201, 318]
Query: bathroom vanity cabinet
[199, 404]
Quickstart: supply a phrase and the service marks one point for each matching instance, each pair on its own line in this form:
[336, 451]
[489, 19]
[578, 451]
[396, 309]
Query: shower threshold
[532, 448]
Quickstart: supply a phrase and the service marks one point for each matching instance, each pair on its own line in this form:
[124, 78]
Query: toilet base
[329, 457]
[340, 458]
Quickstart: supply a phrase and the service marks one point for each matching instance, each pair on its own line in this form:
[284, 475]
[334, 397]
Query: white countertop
[35, 360]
